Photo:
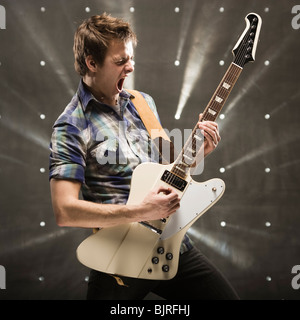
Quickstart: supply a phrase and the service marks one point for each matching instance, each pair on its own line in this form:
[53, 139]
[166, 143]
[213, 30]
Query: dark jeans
[196, 278]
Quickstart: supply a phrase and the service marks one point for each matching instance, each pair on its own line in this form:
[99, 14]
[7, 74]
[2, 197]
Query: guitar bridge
[173, 180]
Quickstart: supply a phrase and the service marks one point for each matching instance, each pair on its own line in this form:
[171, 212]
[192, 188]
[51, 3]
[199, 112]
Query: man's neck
[99, 95]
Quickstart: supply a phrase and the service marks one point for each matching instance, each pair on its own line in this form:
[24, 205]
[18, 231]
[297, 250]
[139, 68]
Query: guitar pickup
[173, 180]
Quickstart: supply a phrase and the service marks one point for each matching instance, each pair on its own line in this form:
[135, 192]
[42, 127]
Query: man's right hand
[160, 203]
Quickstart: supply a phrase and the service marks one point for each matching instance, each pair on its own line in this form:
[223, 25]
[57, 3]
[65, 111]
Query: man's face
[116, 67]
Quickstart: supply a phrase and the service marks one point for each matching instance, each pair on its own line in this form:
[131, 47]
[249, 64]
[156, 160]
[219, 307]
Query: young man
[89, 132]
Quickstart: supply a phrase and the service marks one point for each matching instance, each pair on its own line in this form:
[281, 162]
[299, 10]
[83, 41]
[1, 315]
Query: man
[89, 131]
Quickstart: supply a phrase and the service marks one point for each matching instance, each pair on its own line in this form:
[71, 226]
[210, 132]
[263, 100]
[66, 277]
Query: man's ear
[91, 63]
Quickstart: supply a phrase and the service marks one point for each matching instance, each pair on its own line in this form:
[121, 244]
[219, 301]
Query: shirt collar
[86, 96]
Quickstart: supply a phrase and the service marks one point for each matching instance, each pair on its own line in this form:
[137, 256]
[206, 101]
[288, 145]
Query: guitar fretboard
[193, 144]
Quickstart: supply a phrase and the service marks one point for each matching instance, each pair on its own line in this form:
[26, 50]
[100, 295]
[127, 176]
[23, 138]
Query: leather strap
[150, 121]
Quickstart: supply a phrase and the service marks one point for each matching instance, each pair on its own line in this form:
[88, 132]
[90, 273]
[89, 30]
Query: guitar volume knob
[169, 256]
[160, 250]
[165, 268]
[155, 260]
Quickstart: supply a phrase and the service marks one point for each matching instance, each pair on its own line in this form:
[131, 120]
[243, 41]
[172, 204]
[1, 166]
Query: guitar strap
[150, 121]
[153, 126]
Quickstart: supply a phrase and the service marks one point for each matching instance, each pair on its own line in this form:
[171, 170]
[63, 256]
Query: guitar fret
[180, 169]
[218, 99]
[197, 137]
[211, 111]
[226, 85]
[187, 157]
[184, 164]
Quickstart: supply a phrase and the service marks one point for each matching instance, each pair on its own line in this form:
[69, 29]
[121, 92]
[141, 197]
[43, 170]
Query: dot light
[42, 63]
[131, 9]
[268, 278]
[223, 224]
[42, 223]
[222, 170]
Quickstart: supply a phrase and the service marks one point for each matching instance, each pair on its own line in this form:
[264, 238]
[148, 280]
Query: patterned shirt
[100, 146]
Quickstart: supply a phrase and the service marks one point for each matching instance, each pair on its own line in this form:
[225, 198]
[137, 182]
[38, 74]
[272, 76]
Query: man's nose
[129, 66]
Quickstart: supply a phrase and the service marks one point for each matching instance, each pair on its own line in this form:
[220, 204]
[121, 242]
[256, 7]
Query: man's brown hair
[93, 37]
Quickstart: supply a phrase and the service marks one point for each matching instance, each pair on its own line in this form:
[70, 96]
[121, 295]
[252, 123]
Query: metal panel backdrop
[184, 49]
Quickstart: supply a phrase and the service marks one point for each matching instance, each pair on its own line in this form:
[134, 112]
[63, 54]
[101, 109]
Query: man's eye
[121, 62]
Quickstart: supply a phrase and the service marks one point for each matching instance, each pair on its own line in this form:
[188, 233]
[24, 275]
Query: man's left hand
[210, 131]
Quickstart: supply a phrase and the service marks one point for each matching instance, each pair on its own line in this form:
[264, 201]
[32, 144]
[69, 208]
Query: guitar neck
[193, 144]
[222, 92]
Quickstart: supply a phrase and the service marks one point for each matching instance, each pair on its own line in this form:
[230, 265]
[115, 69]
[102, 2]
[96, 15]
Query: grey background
[260, 242]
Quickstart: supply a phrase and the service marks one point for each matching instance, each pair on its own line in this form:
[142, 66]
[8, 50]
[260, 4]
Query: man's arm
[70, 211]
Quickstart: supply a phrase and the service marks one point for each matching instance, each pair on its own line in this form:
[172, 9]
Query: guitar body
[133, 250]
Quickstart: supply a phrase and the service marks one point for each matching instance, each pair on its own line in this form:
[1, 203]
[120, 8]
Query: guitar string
[231, 77]
[206, 116]
[240, 57]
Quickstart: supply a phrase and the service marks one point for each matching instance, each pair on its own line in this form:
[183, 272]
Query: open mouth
[120, 84]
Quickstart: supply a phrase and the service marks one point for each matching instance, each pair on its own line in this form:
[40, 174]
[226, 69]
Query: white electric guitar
[150, 249]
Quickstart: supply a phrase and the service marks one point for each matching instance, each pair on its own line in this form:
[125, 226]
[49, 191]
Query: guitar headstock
[245, 48]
